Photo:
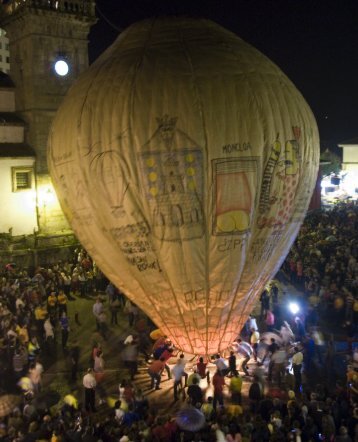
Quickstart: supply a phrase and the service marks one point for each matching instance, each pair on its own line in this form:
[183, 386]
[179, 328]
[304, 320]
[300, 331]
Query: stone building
[48, 51]
[4, 52]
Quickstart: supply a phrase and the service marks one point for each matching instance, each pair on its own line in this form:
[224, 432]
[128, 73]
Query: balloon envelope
[184, 160]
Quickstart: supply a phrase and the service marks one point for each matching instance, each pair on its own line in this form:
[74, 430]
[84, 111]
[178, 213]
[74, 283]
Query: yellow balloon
[186, 95]
[156, 334]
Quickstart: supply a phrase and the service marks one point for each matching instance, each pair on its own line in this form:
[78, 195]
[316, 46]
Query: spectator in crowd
[89, 384]
[202, 369]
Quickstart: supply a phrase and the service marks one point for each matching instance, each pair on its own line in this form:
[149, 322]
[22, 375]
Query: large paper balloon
[185, 161]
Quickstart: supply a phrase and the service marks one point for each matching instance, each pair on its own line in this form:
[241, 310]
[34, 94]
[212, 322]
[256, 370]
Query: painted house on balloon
[48, 50]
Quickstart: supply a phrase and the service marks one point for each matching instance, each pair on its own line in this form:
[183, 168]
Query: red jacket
[218, 383]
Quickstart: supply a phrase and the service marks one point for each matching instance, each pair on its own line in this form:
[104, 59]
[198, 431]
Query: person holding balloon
[202, 371]
[178, 372]
[221, 365]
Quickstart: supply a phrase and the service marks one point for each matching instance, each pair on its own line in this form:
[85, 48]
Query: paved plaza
[57, 367]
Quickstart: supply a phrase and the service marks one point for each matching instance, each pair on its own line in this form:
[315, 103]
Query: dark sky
[314, 42]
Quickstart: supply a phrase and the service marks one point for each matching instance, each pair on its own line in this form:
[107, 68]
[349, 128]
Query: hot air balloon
[184, 160]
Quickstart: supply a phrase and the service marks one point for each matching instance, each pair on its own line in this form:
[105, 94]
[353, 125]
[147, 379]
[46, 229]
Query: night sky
[314, 42]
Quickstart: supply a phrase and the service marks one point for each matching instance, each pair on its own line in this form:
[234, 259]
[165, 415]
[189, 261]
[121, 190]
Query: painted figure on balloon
[266, 186]
[279, 183]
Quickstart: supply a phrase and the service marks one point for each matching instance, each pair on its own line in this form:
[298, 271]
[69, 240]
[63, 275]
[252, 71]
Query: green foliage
[333, 163]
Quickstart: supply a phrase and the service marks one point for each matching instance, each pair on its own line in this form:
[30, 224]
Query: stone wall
[51, 219]
[30, 251]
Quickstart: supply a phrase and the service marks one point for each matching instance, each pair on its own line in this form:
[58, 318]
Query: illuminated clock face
[61, 68]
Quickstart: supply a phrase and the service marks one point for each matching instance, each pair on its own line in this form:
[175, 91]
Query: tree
[332, 163]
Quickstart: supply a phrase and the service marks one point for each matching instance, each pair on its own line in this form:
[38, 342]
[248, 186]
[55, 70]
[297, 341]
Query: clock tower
[48, 51]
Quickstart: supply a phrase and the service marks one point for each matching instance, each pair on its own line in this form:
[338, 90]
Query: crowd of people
[264, 388]
[323, 263]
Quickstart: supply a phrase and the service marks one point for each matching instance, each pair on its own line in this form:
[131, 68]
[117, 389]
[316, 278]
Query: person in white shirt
[254, 341]
[35, 372]
[221, 365]
[244, 349]
[97, 310]
[277, 364]
[89, 383]
[19, 303]
[297, 360]
[49, 331]
[119, 413]
[252, 323]
[178, 371]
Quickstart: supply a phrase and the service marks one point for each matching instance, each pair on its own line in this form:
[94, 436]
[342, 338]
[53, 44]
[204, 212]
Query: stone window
[21, 178]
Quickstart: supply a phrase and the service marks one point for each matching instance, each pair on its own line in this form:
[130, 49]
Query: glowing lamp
[293, 307]
[61, 68]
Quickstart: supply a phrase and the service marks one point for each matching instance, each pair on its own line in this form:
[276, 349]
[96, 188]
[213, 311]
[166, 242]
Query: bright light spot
[46, 196]
[347, 187]
[293, 307]
[61, 68]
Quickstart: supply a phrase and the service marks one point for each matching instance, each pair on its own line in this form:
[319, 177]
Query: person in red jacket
[218, 384]
[202, 371]
[155, 372]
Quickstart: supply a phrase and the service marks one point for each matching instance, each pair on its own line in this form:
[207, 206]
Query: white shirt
[182, 361]
[39, 368]
[119, 414]
[48, 329]
[252, 323]
[221, 364]
[279, 357]
[89, 381]
[19, 302]
[97, 308]
[178, 371]
[243, 348]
